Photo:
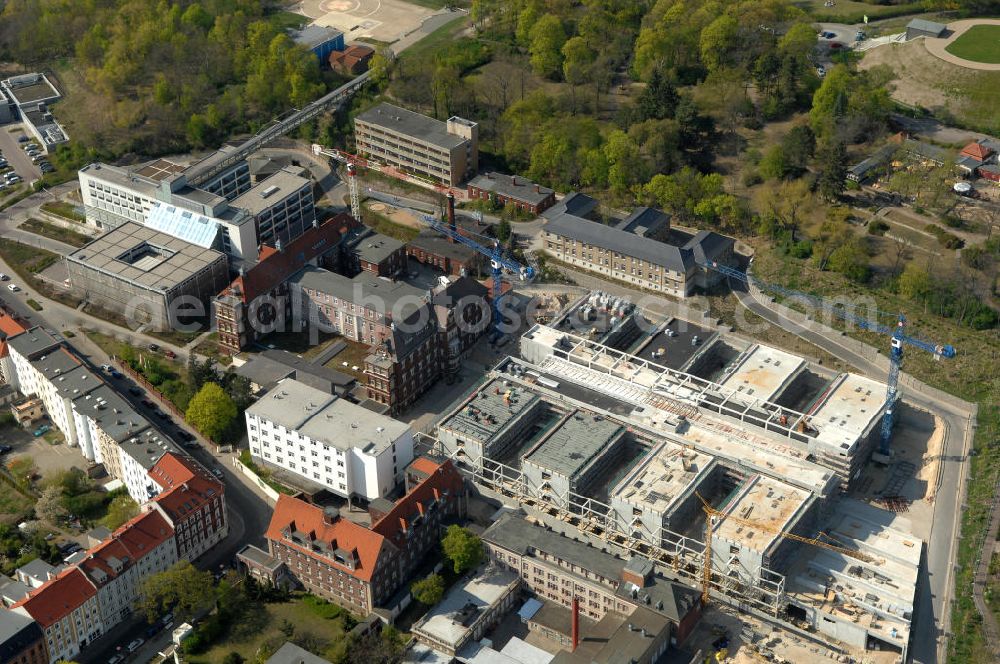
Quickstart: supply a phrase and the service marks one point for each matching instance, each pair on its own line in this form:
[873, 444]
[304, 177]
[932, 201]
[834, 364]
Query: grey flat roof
[515, 533]
[148, 446]
[409, 123]
[40, 90]
[269, 367]
[116, 416]
[386, 297]
[375, 248]
[313, 35]
[299, 364]
[292, 654]
[36, 568]
[488, 412]
[17, 632]
[264, 371]
[442, 246]
[928, 26]
[32, 341]
[573, 445]
[121, 177]
[513, 186]
[323, 417]
[172, 261]
[259, 556]
[266, 193]
[69, 383]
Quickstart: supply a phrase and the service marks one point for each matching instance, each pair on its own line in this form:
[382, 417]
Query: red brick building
[334, 558]
[256, 302]
[375, 253]
[192, 501]
[512, 190]
[357, 567]
[353, 60]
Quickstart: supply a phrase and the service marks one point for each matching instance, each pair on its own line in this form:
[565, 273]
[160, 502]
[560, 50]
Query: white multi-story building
[328, 441]
[226, 213]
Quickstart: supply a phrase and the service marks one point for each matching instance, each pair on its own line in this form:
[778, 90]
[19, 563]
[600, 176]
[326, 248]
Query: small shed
[919, 27]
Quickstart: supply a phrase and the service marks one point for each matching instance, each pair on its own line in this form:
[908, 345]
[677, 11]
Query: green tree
[832, 160]
[658, 100]
[462, 548]
[121, 508]
[799, 145]
[182, 589]
[381, 66]
[851, 260]
[578, 59]
[774, 165]
[211, 411]
[547, 39]
[915, 283]
[428, 590]
[717, 41]
[504, 231]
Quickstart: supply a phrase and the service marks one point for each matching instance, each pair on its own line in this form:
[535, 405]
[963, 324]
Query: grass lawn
[287, 20]
[26, 260]
[248, 636]
[354, 355]
[174, 337]
[386, 226]
[209, 347]
[64, 210]
[848, 11]
[53, 232]
[980, 43]
[435, 40]
[13, 505]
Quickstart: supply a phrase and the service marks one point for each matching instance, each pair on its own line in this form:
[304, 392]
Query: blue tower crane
[498, 261]
[896, 333]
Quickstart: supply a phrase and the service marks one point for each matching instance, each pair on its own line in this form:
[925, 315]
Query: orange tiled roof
[58, 597]
[442, 477]
[99, 558]
[308, 520]
[173, 469]
[9, 327]
[976, 151]
[144, 533]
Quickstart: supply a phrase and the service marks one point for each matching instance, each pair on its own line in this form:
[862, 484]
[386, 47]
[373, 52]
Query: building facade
[623, 255]
[67, 610]
[375, 253]
[519, 193]
[445, 152]
[21, 640]
[148, 276]
[193, 502]
[257, 302]
[328, 441]
[282, 206]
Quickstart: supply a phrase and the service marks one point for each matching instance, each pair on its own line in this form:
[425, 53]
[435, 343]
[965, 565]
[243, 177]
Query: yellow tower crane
[710, 512]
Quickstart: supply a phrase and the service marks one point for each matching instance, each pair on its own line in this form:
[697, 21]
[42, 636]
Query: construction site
[735, 468]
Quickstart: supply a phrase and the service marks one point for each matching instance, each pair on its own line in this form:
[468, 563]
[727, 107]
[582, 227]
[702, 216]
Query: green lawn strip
[64, 210]
[287, 20]
[980, 43]
[435, 40]
[27, 261]
[386, 226]
[54, 232]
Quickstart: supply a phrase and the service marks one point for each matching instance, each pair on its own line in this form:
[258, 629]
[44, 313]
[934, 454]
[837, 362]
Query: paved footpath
[936, 47]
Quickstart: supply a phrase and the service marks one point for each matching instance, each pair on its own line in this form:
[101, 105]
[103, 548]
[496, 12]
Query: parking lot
[48, 458]
[19, 162]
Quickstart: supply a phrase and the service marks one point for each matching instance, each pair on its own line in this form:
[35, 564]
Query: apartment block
[627, 254]
[192, 501]
[67, 610]
[445, 152]
[329, 442]
[282, 206]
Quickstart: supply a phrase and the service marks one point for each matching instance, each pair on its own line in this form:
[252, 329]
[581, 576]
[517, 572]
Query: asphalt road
[935, 584]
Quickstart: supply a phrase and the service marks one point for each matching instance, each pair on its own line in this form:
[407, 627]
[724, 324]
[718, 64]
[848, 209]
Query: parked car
[135, 644]
[171, 354]
[3, 277]
[821, 72]
[135, 391]
[105, 367]
[13, 288]
[185, 435]
[22, 139]
[69, 547]
[154, 347]
[191, 445]
[148, 403]
[116, 374]
[218, 473]
[12, 178]
[5, 448]
[46, 167]
[116, 659]
[42, 430]
[37, 158]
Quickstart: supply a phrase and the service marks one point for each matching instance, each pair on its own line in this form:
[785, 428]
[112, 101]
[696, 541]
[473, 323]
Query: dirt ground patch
[944, 88]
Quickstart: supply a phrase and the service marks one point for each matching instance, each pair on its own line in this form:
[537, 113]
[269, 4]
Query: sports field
[980, 43]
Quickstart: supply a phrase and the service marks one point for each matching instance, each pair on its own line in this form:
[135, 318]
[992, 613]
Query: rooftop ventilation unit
[269, 191]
